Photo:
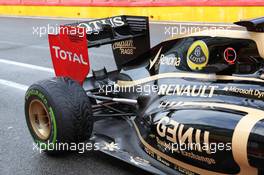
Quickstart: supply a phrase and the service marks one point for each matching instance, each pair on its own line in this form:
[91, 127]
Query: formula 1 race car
[190, 105]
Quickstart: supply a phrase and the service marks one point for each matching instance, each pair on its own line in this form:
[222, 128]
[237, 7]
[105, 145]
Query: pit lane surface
[25, 59]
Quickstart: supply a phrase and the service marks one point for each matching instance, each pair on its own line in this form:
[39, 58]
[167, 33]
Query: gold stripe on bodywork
[186, 75]
[239, 140]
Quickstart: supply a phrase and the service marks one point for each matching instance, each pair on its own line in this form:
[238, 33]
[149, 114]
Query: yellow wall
[180, 13]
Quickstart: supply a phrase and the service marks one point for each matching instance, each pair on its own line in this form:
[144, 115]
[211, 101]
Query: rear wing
[114, 29]
[128, 35]
[253, 25]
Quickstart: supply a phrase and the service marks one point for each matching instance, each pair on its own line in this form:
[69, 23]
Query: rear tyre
[58, 112]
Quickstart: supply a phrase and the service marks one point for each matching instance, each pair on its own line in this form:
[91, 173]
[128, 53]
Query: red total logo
[230, 55]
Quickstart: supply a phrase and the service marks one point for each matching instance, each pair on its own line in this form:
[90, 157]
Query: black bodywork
[220, 103]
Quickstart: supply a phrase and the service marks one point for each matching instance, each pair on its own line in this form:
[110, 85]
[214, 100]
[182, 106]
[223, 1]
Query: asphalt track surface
[25, 59]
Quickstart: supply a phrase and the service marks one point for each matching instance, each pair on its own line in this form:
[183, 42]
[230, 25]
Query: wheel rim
[39, 119]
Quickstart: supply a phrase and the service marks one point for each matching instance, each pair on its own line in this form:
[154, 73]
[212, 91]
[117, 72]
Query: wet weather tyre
[58, 112]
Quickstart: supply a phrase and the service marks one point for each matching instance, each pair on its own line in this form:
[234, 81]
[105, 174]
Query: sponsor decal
[152, 62]
[230, 55]
[176, 132]
[250, 92]
[67, 55]
[184, 171]
[170, 104]
[170, 60]
[125, 47]
[197, 55]
[196, 157]
[163, 161]
[96, 25]
[187, 90]
[185, 149]
[161, 59]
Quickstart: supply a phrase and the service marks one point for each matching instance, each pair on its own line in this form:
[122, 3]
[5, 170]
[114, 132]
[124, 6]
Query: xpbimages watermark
[206, 91]
[41, 31]
[91, 27]
[184, 29]
[79, 147]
